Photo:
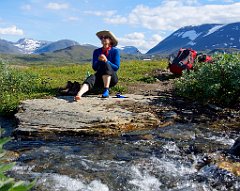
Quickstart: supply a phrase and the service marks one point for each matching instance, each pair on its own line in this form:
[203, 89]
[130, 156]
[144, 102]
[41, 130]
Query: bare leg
[106, 80]
[106, 83]
[84, 89]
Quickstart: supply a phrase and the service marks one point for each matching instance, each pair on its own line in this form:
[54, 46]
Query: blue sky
[140, 23]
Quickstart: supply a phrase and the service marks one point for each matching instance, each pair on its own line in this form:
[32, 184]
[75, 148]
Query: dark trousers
[96, 81]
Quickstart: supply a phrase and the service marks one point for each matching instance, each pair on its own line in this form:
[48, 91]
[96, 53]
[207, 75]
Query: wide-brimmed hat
[108, 33]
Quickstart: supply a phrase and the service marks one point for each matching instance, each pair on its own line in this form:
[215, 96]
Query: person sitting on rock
[106, 62]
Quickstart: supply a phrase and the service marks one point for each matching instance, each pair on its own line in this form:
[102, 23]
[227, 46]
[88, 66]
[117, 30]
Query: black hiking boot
[74, 89]
[67, 88]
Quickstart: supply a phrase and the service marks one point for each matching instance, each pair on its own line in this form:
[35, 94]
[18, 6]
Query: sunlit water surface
[159, 159]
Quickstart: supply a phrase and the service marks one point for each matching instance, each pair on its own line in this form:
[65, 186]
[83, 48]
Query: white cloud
[135, 35]
[26, 7]
[180, 2]
[13, 30]
[140, 41]
[57, 6]
[101, 13]
[117, 19]
[157, 38]
[171, 15]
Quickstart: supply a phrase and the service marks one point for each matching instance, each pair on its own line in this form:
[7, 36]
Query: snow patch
[236, 28]
[178, 34]
[214, 29]
[191, 43]
[192, 35]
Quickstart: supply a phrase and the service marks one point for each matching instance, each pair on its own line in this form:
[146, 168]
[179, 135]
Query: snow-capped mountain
[201, 38]
[29, 46]
[129, 50]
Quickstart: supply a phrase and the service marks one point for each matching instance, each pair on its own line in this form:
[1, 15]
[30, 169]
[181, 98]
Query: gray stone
[170, 115]
[235, 149]
[91, 116]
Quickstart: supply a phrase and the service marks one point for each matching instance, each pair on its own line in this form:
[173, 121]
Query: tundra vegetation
[217, 82]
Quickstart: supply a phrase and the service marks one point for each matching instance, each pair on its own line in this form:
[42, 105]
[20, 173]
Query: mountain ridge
[206, 37]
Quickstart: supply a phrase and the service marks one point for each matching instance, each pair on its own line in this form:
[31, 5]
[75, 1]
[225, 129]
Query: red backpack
[184, 60]
[204, 58]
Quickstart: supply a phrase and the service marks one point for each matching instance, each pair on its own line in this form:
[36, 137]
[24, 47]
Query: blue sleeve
[115, 59]
[95, 63]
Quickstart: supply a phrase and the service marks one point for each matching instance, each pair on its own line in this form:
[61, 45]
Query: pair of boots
[71, 89]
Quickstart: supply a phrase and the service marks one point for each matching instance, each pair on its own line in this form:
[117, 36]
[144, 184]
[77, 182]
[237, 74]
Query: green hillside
[72, 55]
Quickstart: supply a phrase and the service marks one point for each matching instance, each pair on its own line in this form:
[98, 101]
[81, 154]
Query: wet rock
[235, 149]
[203, 162]
[95, 116]
[214, 107]
[7, 124]
[171, 115]
[219, 179]
[233, 167]
[187, 112]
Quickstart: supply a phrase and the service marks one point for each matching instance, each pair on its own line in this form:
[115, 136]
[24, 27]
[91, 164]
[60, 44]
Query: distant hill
[205, 37]
[72, 54]
[8, 47]
[82, 53]
[58, 45]
[76, 53]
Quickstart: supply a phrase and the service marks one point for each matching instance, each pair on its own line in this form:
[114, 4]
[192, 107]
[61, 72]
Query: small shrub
[148, 79]
[16, 85]
[217, 82]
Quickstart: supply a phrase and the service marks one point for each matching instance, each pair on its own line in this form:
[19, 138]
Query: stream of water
[161, 159]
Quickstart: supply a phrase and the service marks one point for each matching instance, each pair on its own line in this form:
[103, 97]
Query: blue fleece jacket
[113, 59]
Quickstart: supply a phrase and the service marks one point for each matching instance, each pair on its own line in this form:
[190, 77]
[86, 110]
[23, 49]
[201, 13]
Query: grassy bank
[24, 82]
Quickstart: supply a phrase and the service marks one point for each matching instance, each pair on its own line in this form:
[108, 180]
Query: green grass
[27, 82]
[129, 72]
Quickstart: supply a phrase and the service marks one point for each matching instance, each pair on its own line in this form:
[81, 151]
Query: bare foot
[77, 98]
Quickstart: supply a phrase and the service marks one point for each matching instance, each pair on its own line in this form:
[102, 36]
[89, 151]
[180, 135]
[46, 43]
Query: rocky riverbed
[60, 117]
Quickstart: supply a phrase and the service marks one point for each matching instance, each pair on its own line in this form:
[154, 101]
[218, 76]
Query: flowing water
[166, 158]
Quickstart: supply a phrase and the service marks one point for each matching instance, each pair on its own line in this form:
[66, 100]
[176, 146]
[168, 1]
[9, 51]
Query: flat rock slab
[91, 116]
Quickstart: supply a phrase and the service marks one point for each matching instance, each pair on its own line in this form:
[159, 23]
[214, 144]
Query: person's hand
[102, 58]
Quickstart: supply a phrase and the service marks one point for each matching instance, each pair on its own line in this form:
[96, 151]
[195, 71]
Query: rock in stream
[91, 116]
